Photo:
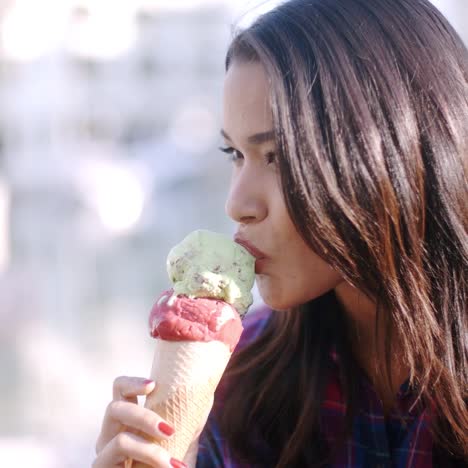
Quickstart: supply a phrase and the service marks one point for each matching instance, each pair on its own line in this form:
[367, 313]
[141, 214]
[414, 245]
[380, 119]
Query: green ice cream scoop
[208, 264]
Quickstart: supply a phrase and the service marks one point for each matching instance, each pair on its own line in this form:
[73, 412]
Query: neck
[368, 345]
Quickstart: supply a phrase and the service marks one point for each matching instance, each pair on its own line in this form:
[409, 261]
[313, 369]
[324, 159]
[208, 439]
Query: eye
[270, 157]
[234, 155]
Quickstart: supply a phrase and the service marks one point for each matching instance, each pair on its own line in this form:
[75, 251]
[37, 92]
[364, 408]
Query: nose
[246, 202]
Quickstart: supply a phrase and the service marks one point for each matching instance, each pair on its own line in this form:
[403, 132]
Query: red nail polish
[148, 382]
[165, 428]
[177, 464]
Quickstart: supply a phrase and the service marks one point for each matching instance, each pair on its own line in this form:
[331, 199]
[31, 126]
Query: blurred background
[109, 122]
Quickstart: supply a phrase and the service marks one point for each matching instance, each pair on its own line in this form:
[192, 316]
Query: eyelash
[235, 155]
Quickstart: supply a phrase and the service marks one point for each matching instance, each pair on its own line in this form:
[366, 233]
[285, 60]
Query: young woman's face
[289, 273]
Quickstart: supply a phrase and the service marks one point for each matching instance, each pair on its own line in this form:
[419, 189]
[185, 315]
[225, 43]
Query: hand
[123, 420]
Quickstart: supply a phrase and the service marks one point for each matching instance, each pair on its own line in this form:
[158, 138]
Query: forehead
[246, 103]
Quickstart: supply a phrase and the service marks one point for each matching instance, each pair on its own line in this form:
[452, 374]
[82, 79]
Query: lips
[253, 250]
[257, 253]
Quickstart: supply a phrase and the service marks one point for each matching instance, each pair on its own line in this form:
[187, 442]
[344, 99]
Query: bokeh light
[114, 192]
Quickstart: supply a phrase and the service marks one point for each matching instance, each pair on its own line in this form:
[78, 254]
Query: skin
[124, 424]
[291, 273]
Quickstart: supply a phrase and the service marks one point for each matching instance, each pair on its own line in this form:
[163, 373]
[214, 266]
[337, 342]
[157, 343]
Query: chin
[284, 306]
[273, 298]
[276, 302]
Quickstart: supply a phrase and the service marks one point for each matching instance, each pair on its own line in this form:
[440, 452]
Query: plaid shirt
[403, 440]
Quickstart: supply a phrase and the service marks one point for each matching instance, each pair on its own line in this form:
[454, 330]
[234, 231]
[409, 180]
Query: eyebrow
[257, 139]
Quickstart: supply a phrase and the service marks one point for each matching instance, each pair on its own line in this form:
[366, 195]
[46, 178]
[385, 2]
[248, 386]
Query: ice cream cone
[187, 374]
[197, 325]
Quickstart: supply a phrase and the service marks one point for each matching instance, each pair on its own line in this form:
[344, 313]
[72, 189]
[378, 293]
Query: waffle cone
[187, 374]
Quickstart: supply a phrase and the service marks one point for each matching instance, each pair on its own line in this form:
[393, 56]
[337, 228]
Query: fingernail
[177, 463]
[148, 382]
[165, 428]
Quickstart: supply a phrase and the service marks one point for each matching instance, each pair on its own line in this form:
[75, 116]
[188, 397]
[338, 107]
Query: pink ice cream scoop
[195, 338]
[181, 318]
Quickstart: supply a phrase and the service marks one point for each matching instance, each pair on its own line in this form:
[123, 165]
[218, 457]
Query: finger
[125, 416]
[127, 445]
[124, 389]
[128, 388]
[140, 419]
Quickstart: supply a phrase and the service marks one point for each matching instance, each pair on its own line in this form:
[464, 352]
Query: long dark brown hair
[370, 106]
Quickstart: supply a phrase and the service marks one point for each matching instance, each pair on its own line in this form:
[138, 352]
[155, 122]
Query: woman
[347, 124]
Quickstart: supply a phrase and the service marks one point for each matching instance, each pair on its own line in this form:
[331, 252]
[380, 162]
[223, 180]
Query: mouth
[260, 257]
